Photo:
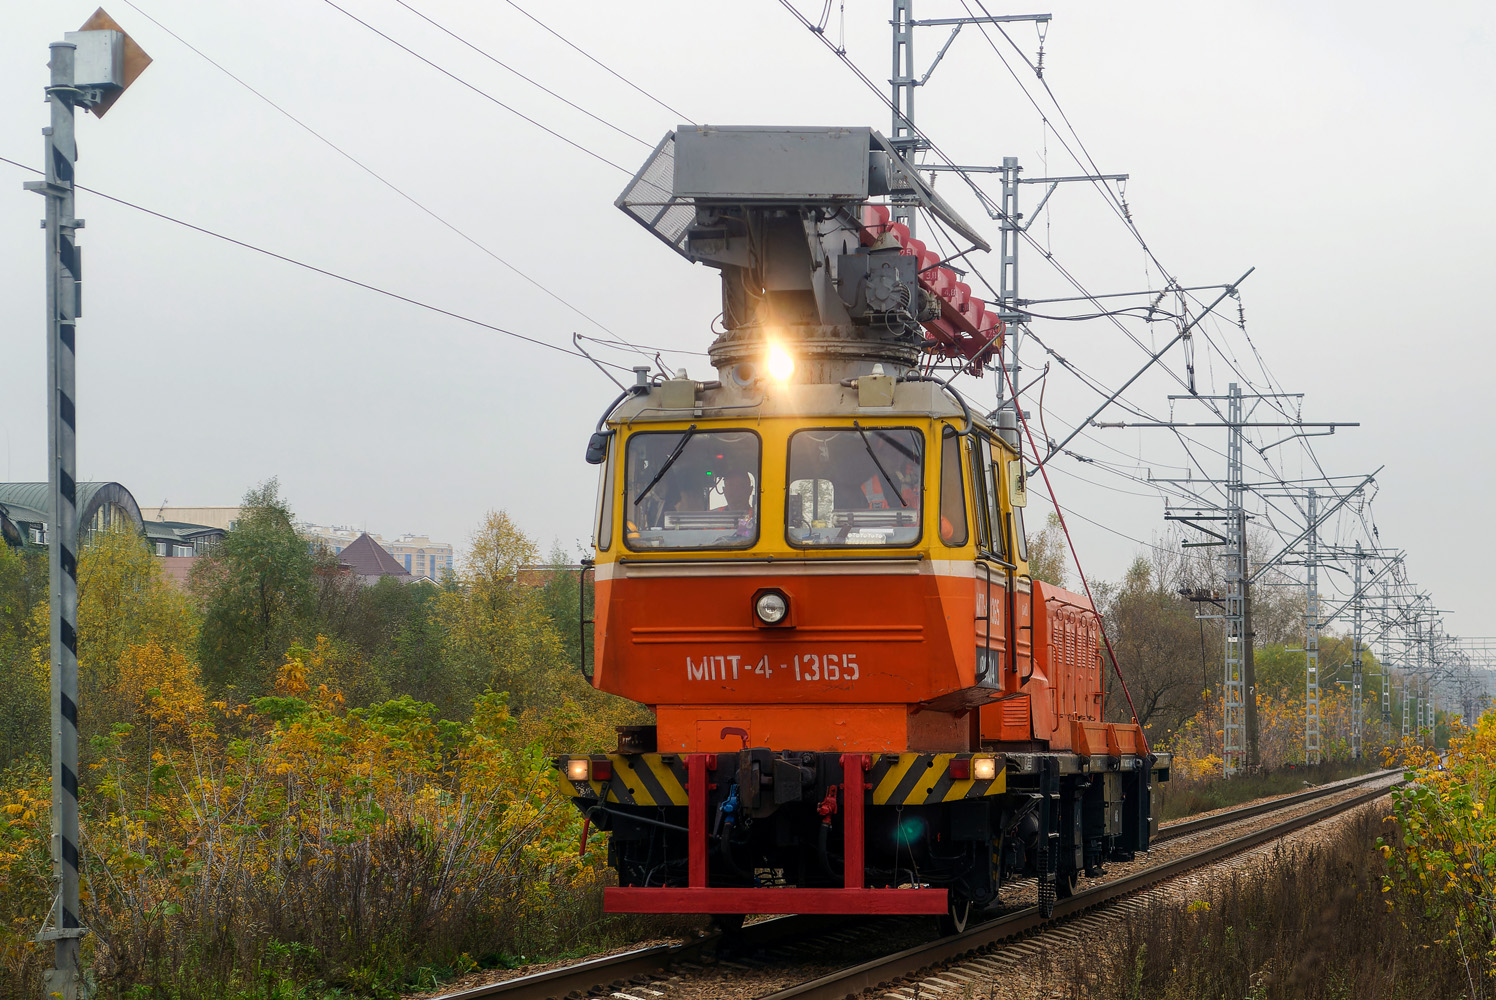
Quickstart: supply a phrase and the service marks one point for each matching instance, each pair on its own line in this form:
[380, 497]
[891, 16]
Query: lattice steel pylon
[1234, 700]
[903, 137]
[1357, 708]
[1311, 637]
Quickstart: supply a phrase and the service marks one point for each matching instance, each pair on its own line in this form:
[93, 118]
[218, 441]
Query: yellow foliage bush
[1198, 745]
[359, 843]
[1442, 858]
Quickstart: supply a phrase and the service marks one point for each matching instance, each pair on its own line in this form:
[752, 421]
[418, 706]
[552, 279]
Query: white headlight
[771, 608]
[579, 769]
[983, 768]
[781, 365]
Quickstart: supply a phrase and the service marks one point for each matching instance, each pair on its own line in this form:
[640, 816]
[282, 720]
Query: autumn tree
[1048, 553]
[1165, 654]
[563, 592]
[498, 633]
[23, 681]
[124, 603]
[391, 627]
[258, 594]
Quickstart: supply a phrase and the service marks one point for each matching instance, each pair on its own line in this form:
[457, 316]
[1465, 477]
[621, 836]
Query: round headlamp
[771, 607]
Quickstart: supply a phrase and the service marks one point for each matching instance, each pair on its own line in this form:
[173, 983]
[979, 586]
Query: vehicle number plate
[806, 668]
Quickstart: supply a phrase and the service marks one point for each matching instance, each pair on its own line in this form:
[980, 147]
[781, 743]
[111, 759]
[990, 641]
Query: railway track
[974, 941]
[641, 973]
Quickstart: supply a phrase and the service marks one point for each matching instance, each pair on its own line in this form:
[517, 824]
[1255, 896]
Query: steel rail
[1184, 827]
[890, 968]
[613, 971]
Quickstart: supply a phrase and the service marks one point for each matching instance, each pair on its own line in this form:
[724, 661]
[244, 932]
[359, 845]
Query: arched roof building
[100, 505]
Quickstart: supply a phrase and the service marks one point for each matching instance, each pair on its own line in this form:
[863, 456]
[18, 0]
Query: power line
[1088, 162]
[381, 178]
[534, 83]
[595, 61]
[1030, 239]
[323, 271]
[478, 90]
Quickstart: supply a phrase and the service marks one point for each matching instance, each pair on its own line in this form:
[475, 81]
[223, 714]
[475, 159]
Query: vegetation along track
[971, 944]
[631, 973]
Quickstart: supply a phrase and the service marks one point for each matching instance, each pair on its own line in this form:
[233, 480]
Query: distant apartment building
[422, 558]
[222, 518]
[334, 538]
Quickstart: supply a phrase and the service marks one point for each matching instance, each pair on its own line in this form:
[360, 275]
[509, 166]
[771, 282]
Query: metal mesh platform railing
[649, 200]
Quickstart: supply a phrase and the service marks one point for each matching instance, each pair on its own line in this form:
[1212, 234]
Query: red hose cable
[1075, 557]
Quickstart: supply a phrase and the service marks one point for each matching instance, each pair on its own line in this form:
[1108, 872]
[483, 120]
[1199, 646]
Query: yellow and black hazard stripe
[639, 779]
[910, 779]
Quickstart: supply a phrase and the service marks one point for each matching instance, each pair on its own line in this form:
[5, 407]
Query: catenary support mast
[60, 152]
[1311, 636]
[1357, 709]
[89, 69]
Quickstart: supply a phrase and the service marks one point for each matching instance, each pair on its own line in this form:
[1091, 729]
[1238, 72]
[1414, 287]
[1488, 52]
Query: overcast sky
[1343, 149]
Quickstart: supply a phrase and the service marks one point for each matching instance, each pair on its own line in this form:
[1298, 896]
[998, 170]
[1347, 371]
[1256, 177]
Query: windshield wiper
[679, 447]
[881, 471]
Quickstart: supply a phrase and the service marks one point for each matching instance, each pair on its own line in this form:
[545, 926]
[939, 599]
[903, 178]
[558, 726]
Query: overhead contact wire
[1075, 557]
[386, 181]
[478, 90]
[534, 83]
[322, 270]
[601, 65]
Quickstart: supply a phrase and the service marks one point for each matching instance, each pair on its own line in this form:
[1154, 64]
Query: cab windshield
[692, 489]
[857, 487]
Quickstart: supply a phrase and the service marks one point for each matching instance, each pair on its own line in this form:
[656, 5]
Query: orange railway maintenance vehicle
[813, 569]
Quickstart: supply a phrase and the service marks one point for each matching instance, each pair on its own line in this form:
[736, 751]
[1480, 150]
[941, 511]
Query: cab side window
[952, 491]
[993, 482]
[979, 494]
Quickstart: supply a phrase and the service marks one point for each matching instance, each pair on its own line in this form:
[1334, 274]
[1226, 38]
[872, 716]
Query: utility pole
[1239, 695]
[903, 138]
[1357, 709]
[64, 304]
[1240, 719]
[1417, 653]
[1356, 604]
[1311, 637]
[88, 69]
[908, 142]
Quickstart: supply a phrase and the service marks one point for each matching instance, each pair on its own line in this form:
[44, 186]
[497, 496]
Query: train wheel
[728, 923]
[1065, 883]
[1047, 892]
[730, 944]
[956, 917]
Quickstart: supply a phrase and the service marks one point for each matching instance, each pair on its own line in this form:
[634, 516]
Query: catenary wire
[320, 270]
[382, 179]
[1120, 210]
[1087, 162]
[601, 65]
[478, 90]
[534, 83]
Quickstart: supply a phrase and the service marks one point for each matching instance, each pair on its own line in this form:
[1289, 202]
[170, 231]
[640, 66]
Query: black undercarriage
[777, 819]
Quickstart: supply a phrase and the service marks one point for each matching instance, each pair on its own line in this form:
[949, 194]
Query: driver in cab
[895, 478]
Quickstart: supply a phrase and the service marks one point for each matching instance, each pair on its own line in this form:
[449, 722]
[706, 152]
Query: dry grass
[1319, 926]
[1181, 797]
